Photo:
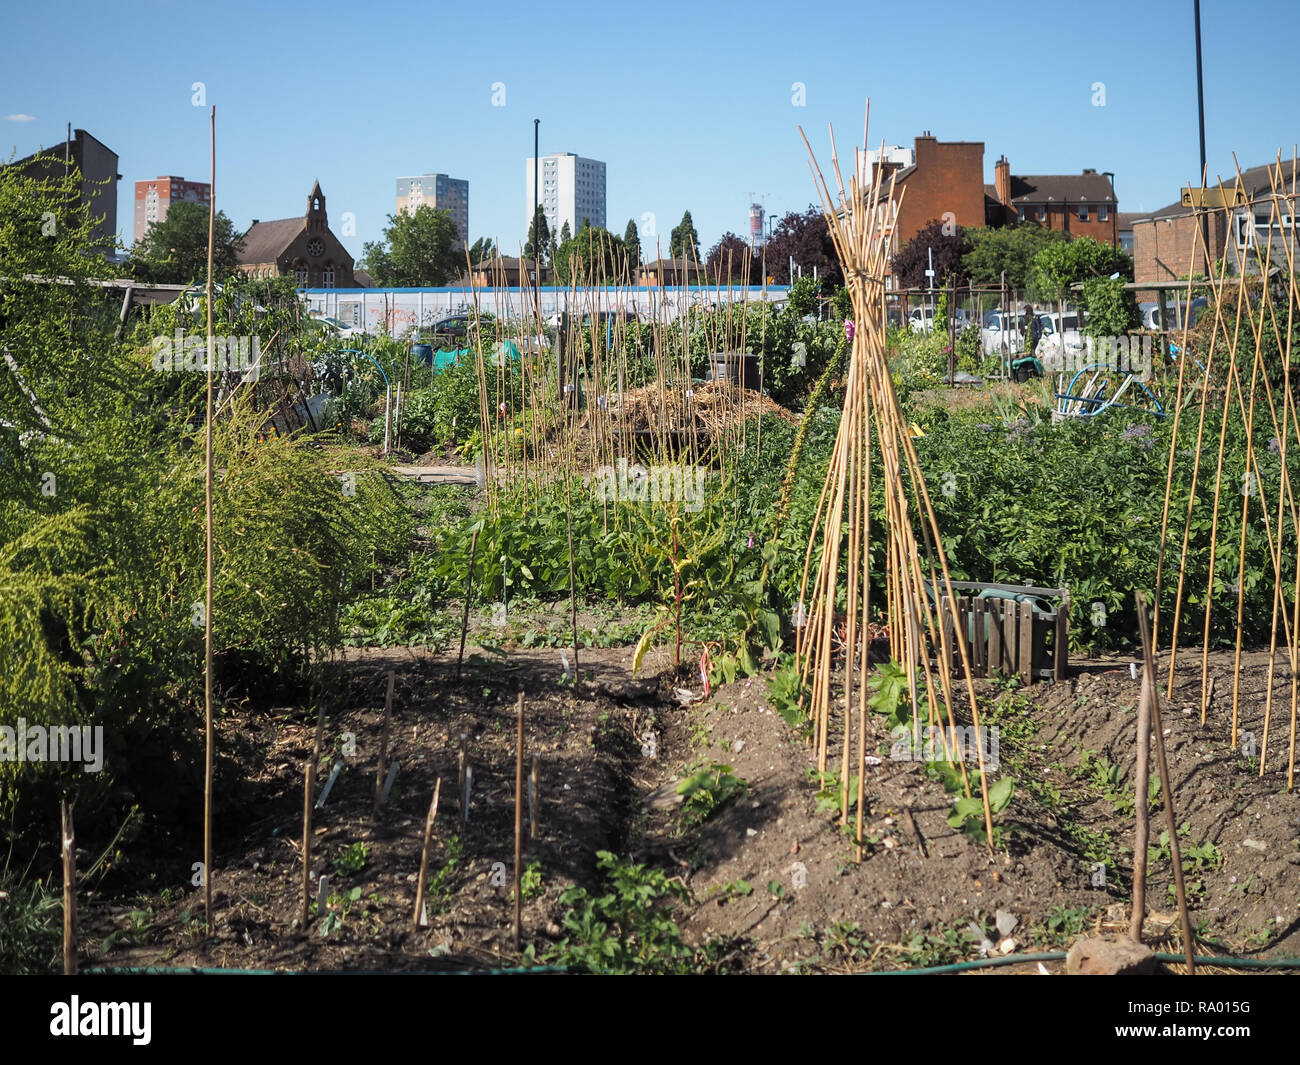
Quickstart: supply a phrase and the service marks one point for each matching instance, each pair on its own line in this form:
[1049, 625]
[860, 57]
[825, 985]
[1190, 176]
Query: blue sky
[690, 105]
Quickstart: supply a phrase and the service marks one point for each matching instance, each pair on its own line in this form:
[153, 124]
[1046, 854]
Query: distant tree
[1063, 263]
[175, 249]
[632, 244]
[989, 252]
[913, 259]
[730, 259]
[418, 249]
[593, 254]
[482, 250]
[566, 234]
[538, 244]
[805, 238]
[684, 243]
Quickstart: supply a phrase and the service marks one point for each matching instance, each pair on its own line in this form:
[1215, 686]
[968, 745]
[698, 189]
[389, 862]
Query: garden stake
[424, 854]
[69, 849]
[1167, 788]
[1142, 830]
[383, 745]
[208, 546]
[534, 783]
[519, 813]
[469, 583]
[309, 779]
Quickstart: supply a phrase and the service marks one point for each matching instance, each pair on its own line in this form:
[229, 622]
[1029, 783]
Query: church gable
[301, 248]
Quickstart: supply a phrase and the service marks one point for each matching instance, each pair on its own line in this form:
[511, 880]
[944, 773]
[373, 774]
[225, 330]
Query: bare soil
[772, 874]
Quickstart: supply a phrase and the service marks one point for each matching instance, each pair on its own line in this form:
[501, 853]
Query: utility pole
[1200, 113]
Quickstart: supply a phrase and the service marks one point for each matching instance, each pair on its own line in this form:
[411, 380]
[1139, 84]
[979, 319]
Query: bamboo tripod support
[861, 220]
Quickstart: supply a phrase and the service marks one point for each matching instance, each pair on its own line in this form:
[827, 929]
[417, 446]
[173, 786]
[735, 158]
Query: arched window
[327, 277]
[300, 272]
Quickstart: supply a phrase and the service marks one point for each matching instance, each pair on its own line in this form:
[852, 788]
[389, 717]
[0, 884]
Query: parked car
[1150, 311]
[920, 319]
[337, 327]
[1062, 345]
[1002, 332]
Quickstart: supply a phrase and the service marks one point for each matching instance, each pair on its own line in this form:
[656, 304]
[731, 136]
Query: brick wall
[1163, 247]
[948, 177]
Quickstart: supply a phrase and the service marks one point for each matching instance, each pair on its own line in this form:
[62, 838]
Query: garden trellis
[1253, 320]
[862, 220]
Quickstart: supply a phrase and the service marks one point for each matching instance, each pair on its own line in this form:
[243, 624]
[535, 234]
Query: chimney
[1002, 181]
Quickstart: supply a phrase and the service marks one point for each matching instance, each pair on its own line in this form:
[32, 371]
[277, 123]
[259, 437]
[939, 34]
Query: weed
[706, 790]
[530, 881]
[337, 908]
[967, 813]
[627, 927]
[439, 892]
[352, 860]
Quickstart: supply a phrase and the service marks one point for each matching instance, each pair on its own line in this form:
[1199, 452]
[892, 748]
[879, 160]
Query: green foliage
[31, 934]
[628, 928]
[1060, 264]
[539, 241]
[417, 249]
[337, 908]
[707, 789]
[175, 249]
[438, 893]
[1197, 860]
[889, 695]
[1111, 308]
[785, 691]
[684, 242]
[352, 859]
[1107, 779]
[591, 256]
[967, 813]
[530, 881]
[989, 252]
[632, 244]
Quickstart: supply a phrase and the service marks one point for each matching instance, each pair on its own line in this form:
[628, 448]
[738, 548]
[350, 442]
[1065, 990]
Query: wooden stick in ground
[535, 793]
[519, 815]
[383, 745]
[69, 844]
[1167, 790]
[424, 854]
[1142, 829]
[469, 584]
[309, 785]
[209, 565]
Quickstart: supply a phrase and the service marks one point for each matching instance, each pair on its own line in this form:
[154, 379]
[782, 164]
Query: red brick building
[946, 182]
[155, 196]
[1079, 205]
[1167, 246]
[302, 248]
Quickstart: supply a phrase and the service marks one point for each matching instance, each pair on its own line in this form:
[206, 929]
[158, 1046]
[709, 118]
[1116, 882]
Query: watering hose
[1059, 955]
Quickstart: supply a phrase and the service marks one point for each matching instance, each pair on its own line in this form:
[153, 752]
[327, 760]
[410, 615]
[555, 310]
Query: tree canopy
[632, 244]
[174, 250]
[591, 254]
[910, 263]
[684, 242]
[1063, 263]
[538, 245]
[989, 252]
[417, 249]
[730, 259]
[804, 237]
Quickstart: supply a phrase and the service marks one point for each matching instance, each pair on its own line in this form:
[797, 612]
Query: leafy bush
[628, 928]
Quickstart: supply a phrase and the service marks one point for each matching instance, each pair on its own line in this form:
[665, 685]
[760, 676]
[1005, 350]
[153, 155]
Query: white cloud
[20, 118]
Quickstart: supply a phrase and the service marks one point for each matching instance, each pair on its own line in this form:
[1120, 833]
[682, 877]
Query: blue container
[423, 353]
